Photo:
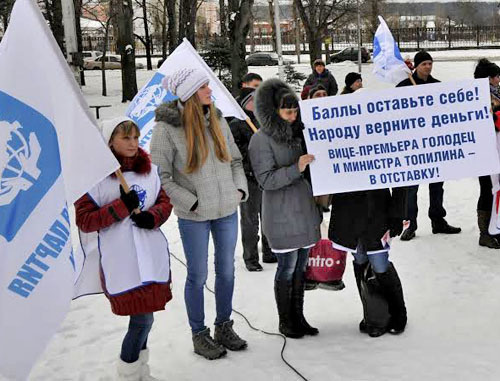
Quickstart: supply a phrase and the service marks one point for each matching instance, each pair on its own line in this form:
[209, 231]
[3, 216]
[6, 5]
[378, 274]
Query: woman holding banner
[290, 218]
[490, 70]
[201, 170]
[363, 222]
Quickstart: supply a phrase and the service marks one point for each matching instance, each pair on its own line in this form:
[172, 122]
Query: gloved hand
[395, 227]
[144, 220]
[130, 199]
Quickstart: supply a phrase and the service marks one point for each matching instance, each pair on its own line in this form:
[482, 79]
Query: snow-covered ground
[451, 287]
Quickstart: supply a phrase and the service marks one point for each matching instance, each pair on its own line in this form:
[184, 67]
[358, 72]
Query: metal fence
[408, 39]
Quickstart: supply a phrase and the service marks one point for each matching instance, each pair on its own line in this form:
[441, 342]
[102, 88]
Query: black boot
[298, 288]
[390, 285]
[371, 329]
[283, 295]
[441, 226]
[483, 222]
[409, 232]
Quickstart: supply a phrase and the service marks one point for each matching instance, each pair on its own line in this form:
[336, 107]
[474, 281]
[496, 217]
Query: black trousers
[485, 196]
[436, 209]
[249, 221]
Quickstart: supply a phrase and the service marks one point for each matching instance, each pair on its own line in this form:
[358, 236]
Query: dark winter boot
[205, 346]
[483, 222]
[283, 295]
[390, 285]
[298, 288]
[225, 335]
[409, 232]
[372, 331]
[441, 226]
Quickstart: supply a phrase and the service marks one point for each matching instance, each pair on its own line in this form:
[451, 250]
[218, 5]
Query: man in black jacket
[250, 210]
[322, 76]
[422, 75]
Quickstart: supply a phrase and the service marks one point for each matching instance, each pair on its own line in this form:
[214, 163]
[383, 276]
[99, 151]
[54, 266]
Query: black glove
[130, 199]
[143, 220]
[395, 227]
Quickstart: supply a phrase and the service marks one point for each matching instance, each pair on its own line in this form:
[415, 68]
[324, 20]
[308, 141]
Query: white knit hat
[109, 125]
[185, 82]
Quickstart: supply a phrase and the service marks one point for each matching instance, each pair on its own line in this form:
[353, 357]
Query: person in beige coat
[201, 171]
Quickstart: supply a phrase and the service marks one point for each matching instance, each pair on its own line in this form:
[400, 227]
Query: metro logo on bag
[325, 263]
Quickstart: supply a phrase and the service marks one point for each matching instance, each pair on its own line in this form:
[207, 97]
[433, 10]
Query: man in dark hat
[322, 76]
[250, 210]
[422, 75]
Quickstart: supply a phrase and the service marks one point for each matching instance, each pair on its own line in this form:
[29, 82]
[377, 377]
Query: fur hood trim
[267, 100]
[170, 113]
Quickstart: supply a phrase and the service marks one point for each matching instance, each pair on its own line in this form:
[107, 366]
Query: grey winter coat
[290, 218]
[214, 186]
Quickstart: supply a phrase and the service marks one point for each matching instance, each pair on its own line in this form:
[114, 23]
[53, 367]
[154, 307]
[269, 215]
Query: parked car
[350, 54]
[113, 61]
[91, 54]
[265, 59]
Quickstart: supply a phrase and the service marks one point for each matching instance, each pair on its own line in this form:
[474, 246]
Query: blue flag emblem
[29, 162]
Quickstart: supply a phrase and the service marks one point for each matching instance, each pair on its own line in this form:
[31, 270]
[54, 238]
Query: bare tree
[146, 40]
[223, 18]
[187, 20]
[273, 26]
[5, 8]
[52, 11]
[123, 28]
[172, 25]
[100, 10]
[239, 25]
[372, 9]
[319, 15]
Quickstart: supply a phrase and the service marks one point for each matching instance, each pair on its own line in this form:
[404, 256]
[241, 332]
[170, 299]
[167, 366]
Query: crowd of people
[204, 168]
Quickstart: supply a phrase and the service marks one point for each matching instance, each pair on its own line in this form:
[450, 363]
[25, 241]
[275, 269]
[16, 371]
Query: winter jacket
[91, 218]
[326, 79]
[290, 218]
[364, 216]
[209, 193]
[418, 80]
[242, 133]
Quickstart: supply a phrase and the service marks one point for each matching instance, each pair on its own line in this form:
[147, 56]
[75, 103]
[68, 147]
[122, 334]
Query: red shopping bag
[326, 263]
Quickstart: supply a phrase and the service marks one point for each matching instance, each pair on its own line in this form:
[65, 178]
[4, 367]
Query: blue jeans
[195, 236]
[378, 261]
[291, 264]
[137, 337]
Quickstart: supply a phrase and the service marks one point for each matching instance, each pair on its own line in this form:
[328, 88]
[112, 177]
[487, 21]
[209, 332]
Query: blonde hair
[196, 141]
[127, 128]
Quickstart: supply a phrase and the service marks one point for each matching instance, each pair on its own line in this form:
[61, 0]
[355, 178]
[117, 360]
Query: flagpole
[412, 80]
[125, 186]
[250, 123]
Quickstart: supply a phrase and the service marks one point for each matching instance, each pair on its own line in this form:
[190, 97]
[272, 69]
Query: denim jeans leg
[379, 261]
[302, 259]
[225, 234]
[136, 337]
[287, 263]
[194, 236]
[360, 256]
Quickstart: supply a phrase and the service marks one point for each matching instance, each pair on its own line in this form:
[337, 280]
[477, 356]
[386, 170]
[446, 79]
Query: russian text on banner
[401, 136]
[142, 107]
[50, 154]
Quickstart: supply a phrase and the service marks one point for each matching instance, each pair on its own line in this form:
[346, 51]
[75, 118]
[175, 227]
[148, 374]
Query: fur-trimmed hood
[170, 113]
[267, 100]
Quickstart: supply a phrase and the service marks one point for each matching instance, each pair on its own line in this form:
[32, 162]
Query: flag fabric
[142, 107]
[388, 65]
[50, 154]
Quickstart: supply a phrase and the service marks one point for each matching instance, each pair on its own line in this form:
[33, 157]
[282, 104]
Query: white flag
[142, 107]
[50, 154]
[388, 65]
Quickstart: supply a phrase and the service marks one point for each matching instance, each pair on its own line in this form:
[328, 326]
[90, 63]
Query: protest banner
[51, 153]
[399, 137]
[141, 109]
